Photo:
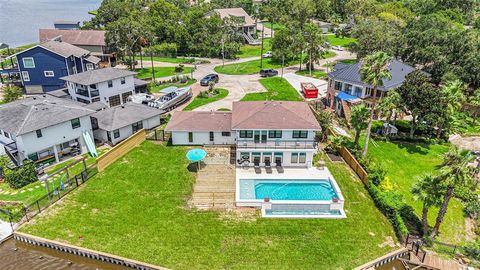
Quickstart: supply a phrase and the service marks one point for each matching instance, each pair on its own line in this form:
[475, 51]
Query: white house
[112, 86]
[43, 128]
[113, 125]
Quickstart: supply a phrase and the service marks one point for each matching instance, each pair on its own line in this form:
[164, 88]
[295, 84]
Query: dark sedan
[268, 72]
[209, 78]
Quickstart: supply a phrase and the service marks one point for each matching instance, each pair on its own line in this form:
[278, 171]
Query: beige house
[247, 25]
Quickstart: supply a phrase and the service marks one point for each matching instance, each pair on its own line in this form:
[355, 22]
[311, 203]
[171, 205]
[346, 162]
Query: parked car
[338, 48]
[209, 78]
[267, 54]
[268, 72]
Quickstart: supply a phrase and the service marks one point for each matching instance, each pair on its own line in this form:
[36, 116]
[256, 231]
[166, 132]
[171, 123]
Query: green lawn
[253, 67]
[405, 162]
[137, 209]
[340, 41]
[276, 26]
[255, 50]
[157, 88]
[318, 74]
[144, 73]
[199, 101]
[174, 60]
[277, 89]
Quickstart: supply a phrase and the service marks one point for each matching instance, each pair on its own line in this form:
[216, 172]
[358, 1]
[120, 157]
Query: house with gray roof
[247, 27]
[113, 125]
[111, 86]
[346, 88]
[44, 128]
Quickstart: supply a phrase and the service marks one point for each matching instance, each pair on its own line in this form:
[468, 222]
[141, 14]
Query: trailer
[309, 90]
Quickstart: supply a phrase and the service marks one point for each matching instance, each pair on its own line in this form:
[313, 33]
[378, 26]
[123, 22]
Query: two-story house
[346, 88]
[44, 127]
[42, 65]
[247, 27]
[112, 86]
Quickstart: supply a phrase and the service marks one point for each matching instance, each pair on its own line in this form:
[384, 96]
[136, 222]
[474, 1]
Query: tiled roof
[64, 49]
[98, 75]
[235, 12]
[121, 116]
[200, 121]
[75, 37]
[350, 73]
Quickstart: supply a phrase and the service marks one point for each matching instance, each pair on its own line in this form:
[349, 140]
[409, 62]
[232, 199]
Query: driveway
[469, 143]
[295, 80]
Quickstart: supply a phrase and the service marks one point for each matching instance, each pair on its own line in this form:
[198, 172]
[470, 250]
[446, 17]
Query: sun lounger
[279, 167]
[268, 167]
[256, 165]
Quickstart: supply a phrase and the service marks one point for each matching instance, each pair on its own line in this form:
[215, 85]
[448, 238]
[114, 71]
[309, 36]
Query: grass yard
[199, 101]
[137, 209]
[255, 50]
[318, 74]
[405, 162]
[276, 26]
[145, 73]
[277, 89]
[174, 60]
[340, 41]
[157, 88]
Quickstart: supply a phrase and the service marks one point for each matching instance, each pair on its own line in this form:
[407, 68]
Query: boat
[171, 97]
[141, 98]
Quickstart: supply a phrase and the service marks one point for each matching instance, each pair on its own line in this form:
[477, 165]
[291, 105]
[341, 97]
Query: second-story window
[275, 134]
[338, 86]
[75, 123]
[122, 80]
[28, 62]
[110, 84]
[39, 133]
[89, 66]
[300, 134]
[246, 133]
[49, 73]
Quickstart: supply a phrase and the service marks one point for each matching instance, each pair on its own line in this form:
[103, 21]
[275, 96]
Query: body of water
[21, 19]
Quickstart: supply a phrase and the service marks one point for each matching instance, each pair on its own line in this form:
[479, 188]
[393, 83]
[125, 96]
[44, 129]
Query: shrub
[179, 68]
[211, 86]
[20, 176]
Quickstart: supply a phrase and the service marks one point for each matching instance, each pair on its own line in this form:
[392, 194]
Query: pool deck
[289, 173]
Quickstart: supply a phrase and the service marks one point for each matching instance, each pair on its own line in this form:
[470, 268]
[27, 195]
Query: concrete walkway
[5, 229]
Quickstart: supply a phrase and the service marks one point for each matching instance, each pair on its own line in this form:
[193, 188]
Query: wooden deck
[214, 188]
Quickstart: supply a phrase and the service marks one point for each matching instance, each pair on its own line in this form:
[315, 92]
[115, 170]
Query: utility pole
[261, 49]
[310, 60]
[283, 62]
[153, 69]
[223, 51]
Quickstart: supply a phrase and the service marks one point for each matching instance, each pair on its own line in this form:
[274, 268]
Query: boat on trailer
[141, 98]
[171, 97]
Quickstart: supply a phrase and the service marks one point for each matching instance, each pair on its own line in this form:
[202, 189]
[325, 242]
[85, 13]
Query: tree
[375, 69]
[315, 43]
[474, 104]
[325, 119]
[20, 176]
[389, 104]
[454, 172]
[359, 120]
[428, 190]
[11, 93]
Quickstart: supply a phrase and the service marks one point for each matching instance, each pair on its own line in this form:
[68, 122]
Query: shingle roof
[235, 12]
[200, 121]
[75, 37]
[273, 115]
[120, 116]
[350, 73]
[98, 75]
[64, 49]
[27, 115]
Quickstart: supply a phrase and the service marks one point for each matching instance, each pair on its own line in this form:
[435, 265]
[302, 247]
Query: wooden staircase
[347, 111]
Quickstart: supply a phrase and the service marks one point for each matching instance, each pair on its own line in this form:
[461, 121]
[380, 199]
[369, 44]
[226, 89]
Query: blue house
[66, 25]
[42, 66]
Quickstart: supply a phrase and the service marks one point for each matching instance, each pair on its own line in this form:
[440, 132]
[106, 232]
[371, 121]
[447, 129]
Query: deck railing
[275, 144]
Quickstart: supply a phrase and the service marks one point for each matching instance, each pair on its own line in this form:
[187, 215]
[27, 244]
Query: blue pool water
[294, 190]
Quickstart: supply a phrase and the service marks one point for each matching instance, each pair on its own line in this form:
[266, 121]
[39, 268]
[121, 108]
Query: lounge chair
[268, 167]
[256, 165]
[279, 167]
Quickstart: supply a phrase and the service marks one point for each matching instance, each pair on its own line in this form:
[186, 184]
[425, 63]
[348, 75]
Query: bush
[20, 176]
[179, 68]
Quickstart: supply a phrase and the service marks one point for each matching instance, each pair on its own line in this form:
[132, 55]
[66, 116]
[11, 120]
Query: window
[114, 100]
[245, 156]
[212, 136]
[302, 158]
[39, 133]
[89, 66]
[6, 134]
[246, 134]
[116, 133]
[338, 86]
[74, 70]
[226, 134]
[110, 84]
[368, 91]
[294, 158]
[94, 122]
[97, 99]
[125, 96]
[33, 157]
[190, 137]
[275, 134]
[25, 76]
[49, 73]
[348, 88]
[75, 123]
[300, 134]
[122, 80]
[28, 62]
[137, 126]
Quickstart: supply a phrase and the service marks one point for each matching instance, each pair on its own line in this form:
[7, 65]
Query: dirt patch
[470, 226]
[240, 214]
[334, 157]
[388, 242]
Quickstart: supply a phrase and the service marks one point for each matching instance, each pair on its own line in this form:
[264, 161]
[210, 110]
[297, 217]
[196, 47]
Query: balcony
[94, 93]
[249, 144]
[82, 92]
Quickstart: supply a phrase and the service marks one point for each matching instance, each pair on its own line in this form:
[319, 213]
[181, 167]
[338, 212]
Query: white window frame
[31, 58]
[27, 77]
[49, 73]
[90, 66]
[74, 69]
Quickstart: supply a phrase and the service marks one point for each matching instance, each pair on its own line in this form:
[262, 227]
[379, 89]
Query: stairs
[347, 111]
[250, 40]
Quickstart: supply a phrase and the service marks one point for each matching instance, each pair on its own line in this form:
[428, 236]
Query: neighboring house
[112, 86]
[113, 125]
[42, 65]
[66, 25]
[44, 127]
[325, 26]
[346, 89]
[263, 131]
[90, 40]
[247, 26]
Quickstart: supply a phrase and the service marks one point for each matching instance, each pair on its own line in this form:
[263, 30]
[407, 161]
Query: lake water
[21, 19]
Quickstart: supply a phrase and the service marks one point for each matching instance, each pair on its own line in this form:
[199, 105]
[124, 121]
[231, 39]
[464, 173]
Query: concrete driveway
[295, 80]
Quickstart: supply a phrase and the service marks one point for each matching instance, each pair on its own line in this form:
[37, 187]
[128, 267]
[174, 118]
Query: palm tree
[474, 102]
[455, 172]
[375, 69]
[428, 190]
[454, 93]
[359, 120]
[325, 119]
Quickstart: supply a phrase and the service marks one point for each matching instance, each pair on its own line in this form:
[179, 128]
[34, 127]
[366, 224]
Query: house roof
[121, 116]
[273, 115]
[37, 112]
[235, 12]
[200, 121]
[64, 49]
[98, 75]
[75, 37]
[350, 73]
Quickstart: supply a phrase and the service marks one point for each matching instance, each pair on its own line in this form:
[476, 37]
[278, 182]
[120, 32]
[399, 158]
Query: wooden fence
[120, 150]
[354, 164]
